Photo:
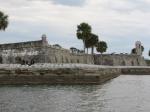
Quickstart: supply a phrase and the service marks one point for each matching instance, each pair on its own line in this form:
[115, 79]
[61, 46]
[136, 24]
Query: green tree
[133, 51]
[73, 49]
[87, 44]
[3, 21]
[57, 45]
[101, 47]
[83, 32]
[142, 48]
[93, 42]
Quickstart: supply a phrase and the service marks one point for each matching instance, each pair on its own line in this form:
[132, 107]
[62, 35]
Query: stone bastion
[41, 52]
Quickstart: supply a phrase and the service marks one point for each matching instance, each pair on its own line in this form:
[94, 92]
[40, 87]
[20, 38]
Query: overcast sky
[118, 22]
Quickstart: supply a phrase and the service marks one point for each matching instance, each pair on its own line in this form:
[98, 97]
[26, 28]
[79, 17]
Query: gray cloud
[64, 2]
[127, 6]
[70, 2]
[118, 22]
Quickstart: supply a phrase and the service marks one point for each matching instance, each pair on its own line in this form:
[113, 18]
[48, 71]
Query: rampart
[21, 45]
[40, 52]
[119, 60]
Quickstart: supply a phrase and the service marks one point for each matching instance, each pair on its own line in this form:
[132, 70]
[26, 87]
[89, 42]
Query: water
[123, 94]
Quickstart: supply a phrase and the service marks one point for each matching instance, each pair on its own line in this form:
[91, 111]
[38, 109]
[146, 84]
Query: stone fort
[40, 51]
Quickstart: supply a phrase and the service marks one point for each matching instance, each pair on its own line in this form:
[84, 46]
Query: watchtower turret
[44, 40]
[138, 47]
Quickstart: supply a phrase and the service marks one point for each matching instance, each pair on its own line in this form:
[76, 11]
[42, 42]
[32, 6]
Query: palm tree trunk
[101, 59]
[92, 50]
[87, 50]
[84, 45]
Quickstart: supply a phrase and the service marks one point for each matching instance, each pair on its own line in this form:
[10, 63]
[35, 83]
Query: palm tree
[87, 44]
[3, 21]
[91, 42]
[83, 32]
[101, 47]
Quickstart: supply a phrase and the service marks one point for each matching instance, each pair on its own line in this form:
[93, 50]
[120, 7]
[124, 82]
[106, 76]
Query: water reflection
[122, 94]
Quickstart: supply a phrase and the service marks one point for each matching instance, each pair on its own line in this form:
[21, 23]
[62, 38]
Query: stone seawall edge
[57, 76]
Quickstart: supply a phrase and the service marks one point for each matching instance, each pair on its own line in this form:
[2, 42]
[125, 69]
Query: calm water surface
[122, 94]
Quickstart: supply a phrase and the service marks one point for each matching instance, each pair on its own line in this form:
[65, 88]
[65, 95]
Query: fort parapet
[21, 45]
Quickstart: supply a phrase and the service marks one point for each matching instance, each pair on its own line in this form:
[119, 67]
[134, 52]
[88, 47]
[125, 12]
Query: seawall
[135, 70]
[56, 74]
[65, 73]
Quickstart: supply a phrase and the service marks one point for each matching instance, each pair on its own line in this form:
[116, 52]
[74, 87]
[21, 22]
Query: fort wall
[40, 52]
[120, 60]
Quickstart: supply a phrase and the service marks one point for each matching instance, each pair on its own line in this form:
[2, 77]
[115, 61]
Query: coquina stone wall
[64, 56]
[120, 60]
[56, 74]
[40, 52]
